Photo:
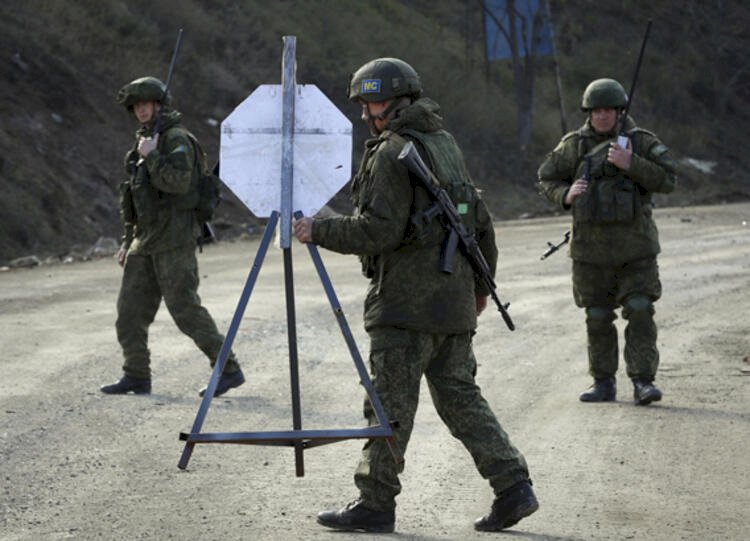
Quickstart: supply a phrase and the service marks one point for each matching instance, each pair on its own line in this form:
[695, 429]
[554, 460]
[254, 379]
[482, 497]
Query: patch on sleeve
[179, 148]
[659, 149]
[370, 86]
[179, 157]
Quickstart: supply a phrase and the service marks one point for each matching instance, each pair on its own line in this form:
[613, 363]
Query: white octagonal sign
[250, 154]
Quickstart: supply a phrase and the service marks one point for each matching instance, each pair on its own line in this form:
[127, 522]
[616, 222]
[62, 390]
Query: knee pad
[637, 306]
[599, 317]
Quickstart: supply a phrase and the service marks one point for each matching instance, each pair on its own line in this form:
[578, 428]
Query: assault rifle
[622, 138]
[552, 248]
[555, 247]
[157, 123]
[458, 235]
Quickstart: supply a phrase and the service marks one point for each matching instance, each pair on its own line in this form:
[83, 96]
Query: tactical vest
[442, 155]
[612, 219]
[148, 201]
[611, 196]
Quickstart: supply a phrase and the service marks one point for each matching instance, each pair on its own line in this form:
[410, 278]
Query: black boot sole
[646, 400]
[222, 389]
[606, 399]
[519, 513]
[134, 391]
[384, 528]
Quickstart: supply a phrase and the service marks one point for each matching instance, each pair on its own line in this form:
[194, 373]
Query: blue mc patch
[370, 86]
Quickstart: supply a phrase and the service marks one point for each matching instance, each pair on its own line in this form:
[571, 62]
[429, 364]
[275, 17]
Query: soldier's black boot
[356, 517]
[508, 508]
[603, 390]
[644, 392]
[226, 382]
[128, 385]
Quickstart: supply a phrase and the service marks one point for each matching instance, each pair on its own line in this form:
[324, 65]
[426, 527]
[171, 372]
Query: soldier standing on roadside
[158, 246]
[614, 240]
[420, 320]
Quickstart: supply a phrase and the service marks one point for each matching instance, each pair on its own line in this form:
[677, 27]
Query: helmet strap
[399, 102]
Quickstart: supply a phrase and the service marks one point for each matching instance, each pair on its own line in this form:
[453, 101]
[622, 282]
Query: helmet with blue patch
[383, 79]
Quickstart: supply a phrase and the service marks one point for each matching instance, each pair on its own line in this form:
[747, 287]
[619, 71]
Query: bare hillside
[63, 135]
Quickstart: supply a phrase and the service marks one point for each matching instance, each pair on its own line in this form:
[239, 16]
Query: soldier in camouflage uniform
[420, 320]
[614, 241]
[158, 247]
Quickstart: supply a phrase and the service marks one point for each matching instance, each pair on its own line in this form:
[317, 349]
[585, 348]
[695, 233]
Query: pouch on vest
[147, 200]
[369, 265]
[441, 154]
[611, 197]
[209, 185]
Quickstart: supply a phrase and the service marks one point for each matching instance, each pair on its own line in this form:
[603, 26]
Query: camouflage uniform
[420, 320]
[614, 241]
[157, 205]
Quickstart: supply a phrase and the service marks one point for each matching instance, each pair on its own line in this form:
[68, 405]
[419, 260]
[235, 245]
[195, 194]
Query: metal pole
[288, 83]
[291, 322]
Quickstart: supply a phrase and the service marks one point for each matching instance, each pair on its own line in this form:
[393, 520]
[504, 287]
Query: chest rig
[611, 196]
[440, 152]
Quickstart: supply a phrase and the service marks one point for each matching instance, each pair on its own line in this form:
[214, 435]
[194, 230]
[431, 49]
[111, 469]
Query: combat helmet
[382, 79]
[604, 94]
[143, 89]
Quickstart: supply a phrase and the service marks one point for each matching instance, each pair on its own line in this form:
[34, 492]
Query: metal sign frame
[297, 437]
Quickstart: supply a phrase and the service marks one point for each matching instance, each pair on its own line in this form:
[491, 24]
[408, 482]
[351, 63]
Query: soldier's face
[145, 111]
[370, 112]
[603, 120]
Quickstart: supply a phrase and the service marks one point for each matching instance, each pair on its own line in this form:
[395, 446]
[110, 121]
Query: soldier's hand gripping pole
[468, 244]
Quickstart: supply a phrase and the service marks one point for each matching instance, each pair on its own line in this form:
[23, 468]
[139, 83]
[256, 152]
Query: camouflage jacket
[407, 288]
[158, 199]
[612, 220]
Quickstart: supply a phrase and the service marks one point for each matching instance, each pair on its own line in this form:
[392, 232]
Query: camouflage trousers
[173, 276]
[398, 359]
[634, 286]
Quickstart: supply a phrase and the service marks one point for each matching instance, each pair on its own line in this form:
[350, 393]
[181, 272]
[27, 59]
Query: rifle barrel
[157, 123]
[635, 77]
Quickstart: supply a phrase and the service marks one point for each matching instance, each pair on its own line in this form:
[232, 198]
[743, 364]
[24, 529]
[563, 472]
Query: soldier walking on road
[614, 240]
[158, 247]
[420, 320]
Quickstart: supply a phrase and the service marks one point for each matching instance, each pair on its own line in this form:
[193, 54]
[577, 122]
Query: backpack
[209, 186]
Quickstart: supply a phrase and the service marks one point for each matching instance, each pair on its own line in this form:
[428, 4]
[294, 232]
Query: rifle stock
[458, 232]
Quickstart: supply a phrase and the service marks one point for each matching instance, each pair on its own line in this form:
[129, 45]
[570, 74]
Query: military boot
[128, 384]
[226, 382]
[508, 508]
[356, 517]
[602, 390]
[644, 392]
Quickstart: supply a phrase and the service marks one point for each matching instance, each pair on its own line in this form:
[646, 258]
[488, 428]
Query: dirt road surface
[81, 465]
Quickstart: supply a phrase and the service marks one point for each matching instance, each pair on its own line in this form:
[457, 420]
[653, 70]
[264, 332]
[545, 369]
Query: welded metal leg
[226, 347]
[364, 377]
[291, 322]
[297, 438]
